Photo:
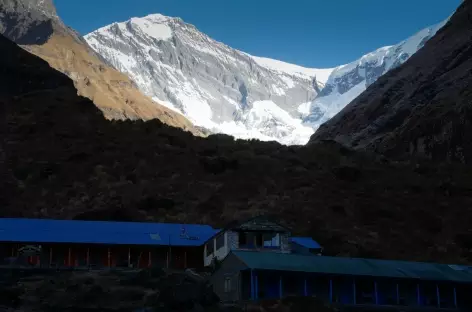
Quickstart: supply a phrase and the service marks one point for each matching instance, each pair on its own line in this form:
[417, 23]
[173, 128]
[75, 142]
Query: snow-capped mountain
[346, 82]
[229, 91]
[215, 86]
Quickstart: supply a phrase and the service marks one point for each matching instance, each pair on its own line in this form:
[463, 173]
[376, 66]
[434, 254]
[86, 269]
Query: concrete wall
[229, 270]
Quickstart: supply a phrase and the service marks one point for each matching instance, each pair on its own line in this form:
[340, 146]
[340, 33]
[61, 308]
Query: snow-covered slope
[229, 91]
[321, 75]
[215, 86]
[346, 82]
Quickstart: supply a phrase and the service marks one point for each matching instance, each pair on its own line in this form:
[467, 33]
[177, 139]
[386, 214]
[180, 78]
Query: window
[242, 239]
[258, 240]
[272, 240]
[227, 284]
[210, 248]
[220, 241]
[251, 240]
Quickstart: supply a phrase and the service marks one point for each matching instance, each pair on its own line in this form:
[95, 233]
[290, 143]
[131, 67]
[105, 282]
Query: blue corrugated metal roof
[107, 232]
[102, 232]
[306, 242]
[353, 266]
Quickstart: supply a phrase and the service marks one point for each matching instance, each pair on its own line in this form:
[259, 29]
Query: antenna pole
[170, 254]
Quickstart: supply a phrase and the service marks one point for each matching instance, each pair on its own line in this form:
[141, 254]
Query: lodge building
[98, 244]
[95, 244]
[251, 260]
[258, 262]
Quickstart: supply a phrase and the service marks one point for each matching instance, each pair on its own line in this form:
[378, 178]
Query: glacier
[225, 90]
[346, 82]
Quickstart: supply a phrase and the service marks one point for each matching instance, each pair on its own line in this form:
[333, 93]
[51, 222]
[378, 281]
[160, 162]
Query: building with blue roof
[251, 275]
[73, 243]
[260, 234]
[305, 245]
[103, 232]
[258, 259]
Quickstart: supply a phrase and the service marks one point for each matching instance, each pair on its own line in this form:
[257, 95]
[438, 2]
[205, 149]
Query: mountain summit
[229, 91]
[215, 86]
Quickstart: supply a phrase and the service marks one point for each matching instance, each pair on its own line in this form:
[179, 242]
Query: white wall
[219, 254]
[223, 251]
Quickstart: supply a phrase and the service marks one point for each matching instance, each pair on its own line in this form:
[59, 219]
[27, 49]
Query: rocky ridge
[420, 109]
[348, 81]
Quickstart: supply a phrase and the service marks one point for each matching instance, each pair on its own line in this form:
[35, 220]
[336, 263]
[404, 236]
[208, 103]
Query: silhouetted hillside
[61, 159]
[423, 108]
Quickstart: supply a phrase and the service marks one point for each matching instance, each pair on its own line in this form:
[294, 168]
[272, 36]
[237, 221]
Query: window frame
[220, 240]
[275, 240]
[210, 249]
[227, 285]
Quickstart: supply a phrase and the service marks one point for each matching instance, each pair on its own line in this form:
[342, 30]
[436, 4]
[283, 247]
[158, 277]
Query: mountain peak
[226, 90]
[45, 7]
[159, 18]
[155, 26]
[27, 21]
[219, 88]
[155, 18]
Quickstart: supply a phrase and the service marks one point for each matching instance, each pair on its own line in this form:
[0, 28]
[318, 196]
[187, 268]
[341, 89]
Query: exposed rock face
[423, 107]
[35, 25]
[37, 18]
[59, 158]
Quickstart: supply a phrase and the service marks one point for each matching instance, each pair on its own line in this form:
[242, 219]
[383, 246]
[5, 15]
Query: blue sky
[313, 33]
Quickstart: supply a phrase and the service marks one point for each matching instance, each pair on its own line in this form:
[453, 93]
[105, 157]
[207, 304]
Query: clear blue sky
[314, 33]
